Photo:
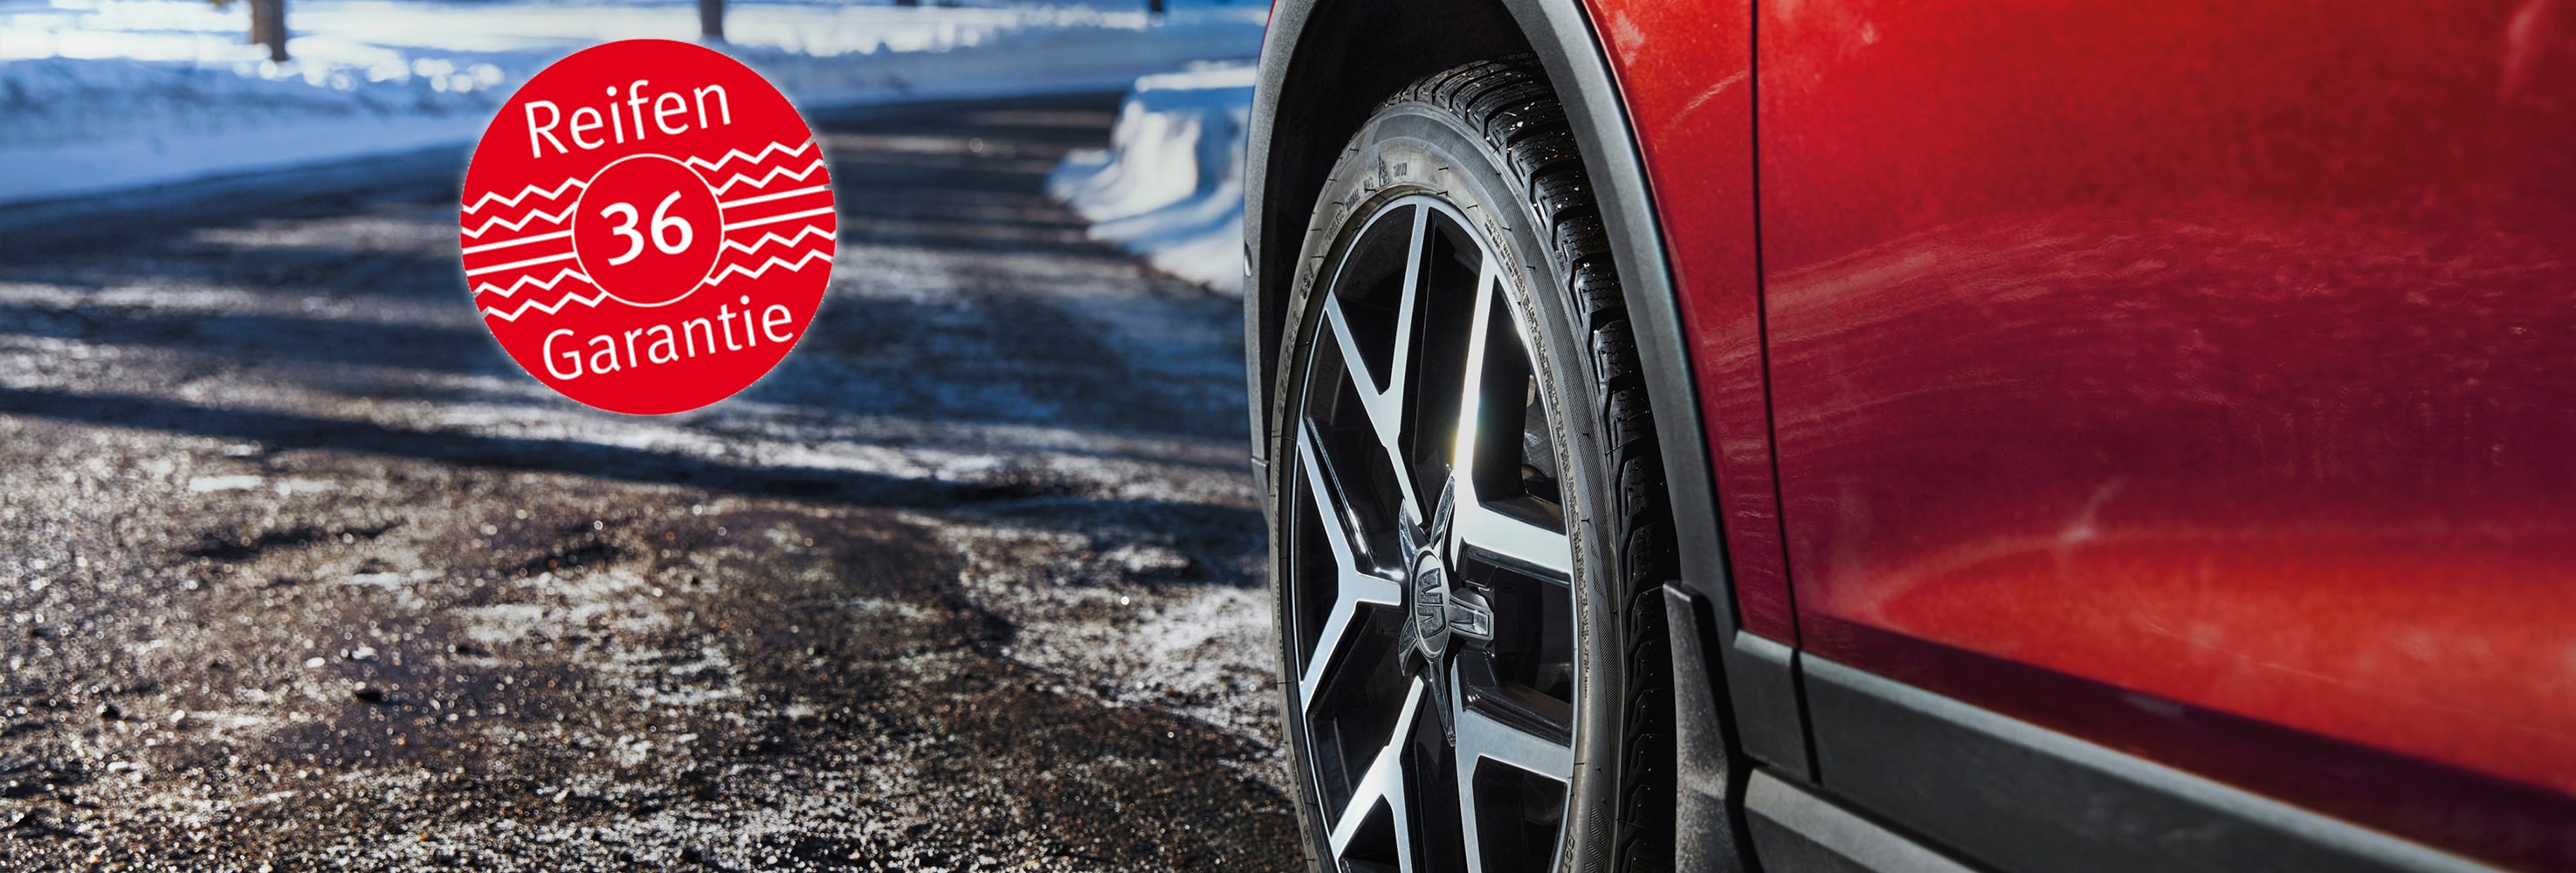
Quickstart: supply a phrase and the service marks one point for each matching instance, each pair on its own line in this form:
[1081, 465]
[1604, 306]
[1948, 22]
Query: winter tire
[1469, 517]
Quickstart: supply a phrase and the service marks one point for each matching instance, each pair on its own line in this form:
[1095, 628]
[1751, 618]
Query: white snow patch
[1170, 185]
[203, 484]
[305, 486]
[393, 580]
[503, 623]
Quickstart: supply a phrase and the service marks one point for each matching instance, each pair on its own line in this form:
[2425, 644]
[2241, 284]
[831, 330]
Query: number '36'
[663, 227]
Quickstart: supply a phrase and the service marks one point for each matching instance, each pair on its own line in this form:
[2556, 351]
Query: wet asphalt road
[299, 572]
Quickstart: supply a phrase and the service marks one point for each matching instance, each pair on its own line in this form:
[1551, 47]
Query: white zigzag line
[767, 238]
[533, 214]
[731, 154]
[732, 269]
[531, 279]
[764, 181]
[568, 300]
[568, 184]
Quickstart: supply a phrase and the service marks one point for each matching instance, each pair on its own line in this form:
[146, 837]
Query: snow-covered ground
[1170, 186]
[104, 94]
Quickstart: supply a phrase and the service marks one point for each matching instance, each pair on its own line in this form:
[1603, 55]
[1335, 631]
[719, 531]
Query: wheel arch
[1326, 64]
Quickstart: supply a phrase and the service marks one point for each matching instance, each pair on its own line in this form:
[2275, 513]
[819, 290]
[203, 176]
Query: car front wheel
[1470, 526]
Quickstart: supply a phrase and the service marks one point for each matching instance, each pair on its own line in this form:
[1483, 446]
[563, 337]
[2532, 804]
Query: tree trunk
[268, 27]
[711, 20]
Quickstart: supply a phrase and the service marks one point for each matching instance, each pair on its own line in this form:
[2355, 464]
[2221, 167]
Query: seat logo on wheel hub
[1440, 610]
[1430, 604]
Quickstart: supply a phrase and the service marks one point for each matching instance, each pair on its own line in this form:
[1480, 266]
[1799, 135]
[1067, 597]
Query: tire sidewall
[1414, 148]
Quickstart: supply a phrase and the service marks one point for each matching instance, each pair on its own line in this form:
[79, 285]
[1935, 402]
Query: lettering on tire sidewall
[647, 227]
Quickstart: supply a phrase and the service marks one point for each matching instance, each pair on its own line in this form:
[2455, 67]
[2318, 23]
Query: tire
[1456, 238]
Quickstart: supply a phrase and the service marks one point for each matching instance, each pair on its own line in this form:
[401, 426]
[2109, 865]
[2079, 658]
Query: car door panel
[2215, 356]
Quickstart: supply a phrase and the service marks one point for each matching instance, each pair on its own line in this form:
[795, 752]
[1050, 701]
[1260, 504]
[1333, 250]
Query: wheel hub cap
[1440, 611]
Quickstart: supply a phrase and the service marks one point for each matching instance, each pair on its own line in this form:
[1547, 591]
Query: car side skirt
[1796, 829]
[2019, 797]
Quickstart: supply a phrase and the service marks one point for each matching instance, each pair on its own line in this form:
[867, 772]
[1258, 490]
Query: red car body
[2196, 380]
[2169, 374]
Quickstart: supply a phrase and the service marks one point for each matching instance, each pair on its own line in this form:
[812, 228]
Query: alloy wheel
[1431, 622]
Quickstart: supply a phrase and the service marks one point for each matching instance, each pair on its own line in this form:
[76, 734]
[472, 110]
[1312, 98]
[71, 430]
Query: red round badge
[647, 226]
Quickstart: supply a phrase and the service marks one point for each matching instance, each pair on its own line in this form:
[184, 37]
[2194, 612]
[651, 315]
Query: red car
[2019, 435]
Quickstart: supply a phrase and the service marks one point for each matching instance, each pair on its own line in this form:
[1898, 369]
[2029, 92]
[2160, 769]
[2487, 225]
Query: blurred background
[300, 571]
[102, 96]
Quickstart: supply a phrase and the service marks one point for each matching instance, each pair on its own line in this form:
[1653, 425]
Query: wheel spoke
[1405, 307]
[1385, 395]
[1332, 500]
[1479, 330]
[1521, 739]
[1475, 523]
[1501, 534]
[1384, 782]
[1374, 395]
[1355, 585]
[1495, 731]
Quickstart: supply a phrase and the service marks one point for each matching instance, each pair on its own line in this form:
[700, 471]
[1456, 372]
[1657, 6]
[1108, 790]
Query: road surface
[300, 572]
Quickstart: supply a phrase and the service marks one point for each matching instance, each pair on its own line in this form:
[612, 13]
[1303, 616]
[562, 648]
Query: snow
[105, 94]
[1170, 186]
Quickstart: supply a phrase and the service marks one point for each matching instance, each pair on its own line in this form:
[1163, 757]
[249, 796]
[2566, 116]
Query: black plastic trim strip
[2026, 799]
[1764, 686]
[1797, 830]
[1278, 43]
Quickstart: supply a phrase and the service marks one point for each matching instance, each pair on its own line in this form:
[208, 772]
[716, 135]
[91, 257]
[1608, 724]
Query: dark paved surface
[299, 572]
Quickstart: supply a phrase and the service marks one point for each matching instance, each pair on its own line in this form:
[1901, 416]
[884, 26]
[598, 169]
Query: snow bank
[1170, 185]
[106, 94]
